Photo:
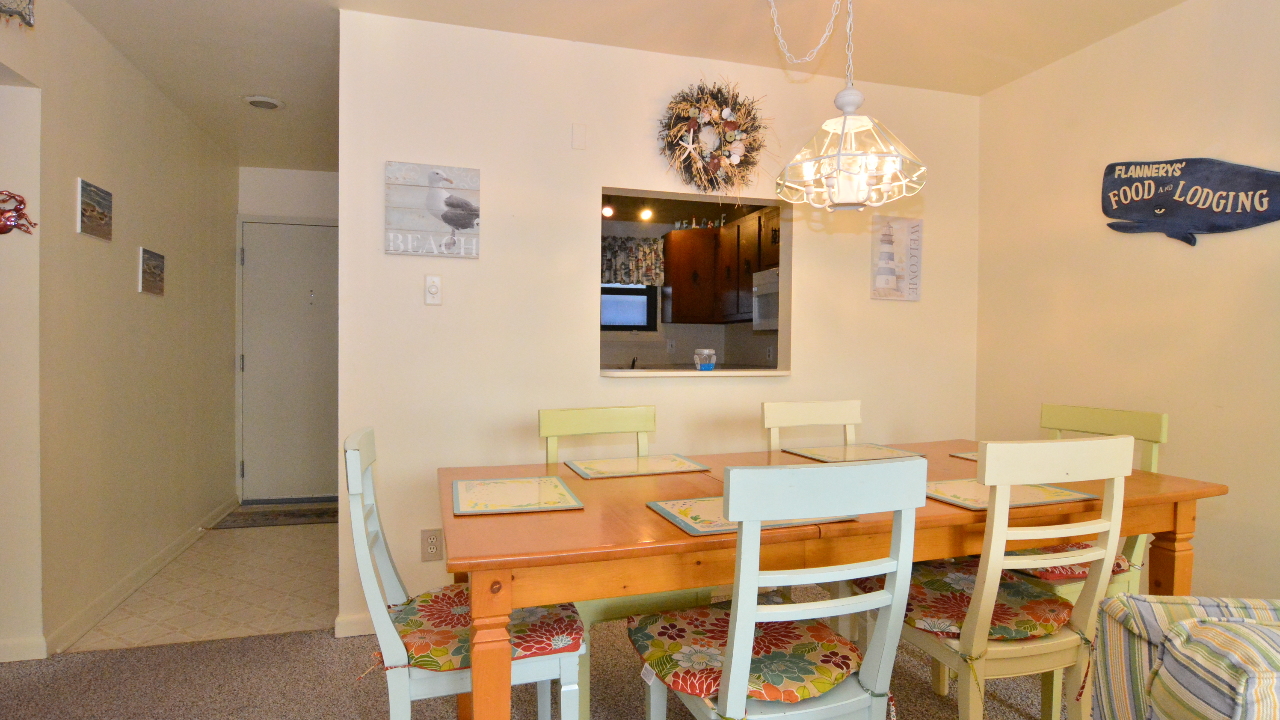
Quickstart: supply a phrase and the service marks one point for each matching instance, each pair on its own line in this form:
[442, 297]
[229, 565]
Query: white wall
[137, 423]
[21, 622]
[294, 194]
[460, 384]
[1073, 312]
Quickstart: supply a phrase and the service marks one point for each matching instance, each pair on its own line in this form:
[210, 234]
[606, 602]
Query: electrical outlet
[671, 346]
[768, 353]
[432, 545]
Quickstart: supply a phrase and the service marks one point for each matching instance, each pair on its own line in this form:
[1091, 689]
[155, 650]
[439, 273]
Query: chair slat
[1054, 461]
[593, 421]
[824, 608]
[830, 573]
[788, 492]
[1072, 557]
[1044, 532]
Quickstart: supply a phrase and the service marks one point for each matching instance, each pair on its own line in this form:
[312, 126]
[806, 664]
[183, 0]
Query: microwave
[764, 300]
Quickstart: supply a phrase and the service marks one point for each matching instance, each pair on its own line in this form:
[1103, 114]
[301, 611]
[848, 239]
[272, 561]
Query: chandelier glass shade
[853, 162]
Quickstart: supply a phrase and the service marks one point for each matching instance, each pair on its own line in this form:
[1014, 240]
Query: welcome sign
[1193, 195]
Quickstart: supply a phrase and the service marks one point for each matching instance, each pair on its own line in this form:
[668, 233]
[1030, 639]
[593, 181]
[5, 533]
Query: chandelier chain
[835, 12]
[848, 47]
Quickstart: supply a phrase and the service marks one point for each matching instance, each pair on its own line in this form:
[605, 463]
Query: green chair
[1149, 431]
[641, 420]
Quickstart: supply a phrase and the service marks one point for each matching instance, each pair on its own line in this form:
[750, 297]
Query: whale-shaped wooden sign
[1193, 195]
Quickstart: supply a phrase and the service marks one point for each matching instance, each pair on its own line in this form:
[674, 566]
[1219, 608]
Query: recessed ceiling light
[646, 214]
[263, 102]
[606, 211]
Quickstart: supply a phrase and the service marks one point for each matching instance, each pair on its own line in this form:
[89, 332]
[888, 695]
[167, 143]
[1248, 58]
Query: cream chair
[641, 420]
[555, 424]
[1149, 430]
[779, 415]
[1011, 627]
[425, 642]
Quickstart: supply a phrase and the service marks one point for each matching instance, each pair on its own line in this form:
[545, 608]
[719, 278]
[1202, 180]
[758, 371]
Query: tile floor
[231, 583]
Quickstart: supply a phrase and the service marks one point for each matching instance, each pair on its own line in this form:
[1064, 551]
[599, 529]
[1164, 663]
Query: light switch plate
[671, 346]
[432, 545]
[433, 294]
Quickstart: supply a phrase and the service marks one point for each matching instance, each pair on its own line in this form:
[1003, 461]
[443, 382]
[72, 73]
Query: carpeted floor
[312, 675]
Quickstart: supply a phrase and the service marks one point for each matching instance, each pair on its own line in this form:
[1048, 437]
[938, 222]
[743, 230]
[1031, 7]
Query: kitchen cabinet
[709, 272]
[748, 263]
[770, 238]
[689, 295]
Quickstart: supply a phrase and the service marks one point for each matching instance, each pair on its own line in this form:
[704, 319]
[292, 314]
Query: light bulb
[606, 211]
[646, 214]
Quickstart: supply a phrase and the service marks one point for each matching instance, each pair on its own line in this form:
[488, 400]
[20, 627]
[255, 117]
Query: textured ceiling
[206, 54]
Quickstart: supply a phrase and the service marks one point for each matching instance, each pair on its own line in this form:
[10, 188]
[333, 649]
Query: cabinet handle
[695, 277]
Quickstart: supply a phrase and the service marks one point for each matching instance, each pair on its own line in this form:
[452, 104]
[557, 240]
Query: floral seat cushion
[790, 661]
[1077, 571]
[436, 629]
[941, 591]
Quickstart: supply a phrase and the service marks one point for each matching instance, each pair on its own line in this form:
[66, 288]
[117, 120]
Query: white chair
[1036, 632]
[425, 640]
[800, 414]
[848, 413]
[804, 670]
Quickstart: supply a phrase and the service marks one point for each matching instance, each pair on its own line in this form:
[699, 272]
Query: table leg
[1172, 555]
[490, 645]
[466, 710]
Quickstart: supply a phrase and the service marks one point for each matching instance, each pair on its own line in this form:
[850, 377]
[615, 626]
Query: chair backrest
[1001, 465]
[378, 575]
[1152, 429]
[555, 424]
[753, 495]
[797, 414]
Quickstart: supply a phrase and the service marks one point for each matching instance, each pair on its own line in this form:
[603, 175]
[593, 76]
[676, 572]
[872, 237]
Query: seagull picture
[452, 210]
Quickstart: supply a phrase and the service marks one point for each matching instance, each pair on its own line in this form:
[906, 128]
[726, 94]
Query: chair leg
[1079, 710]
[398, 694]
[969, 696]
[544, 700]
[583, 691]
[569, 668]
[1051, 695]
[941, 677]
[655, 701]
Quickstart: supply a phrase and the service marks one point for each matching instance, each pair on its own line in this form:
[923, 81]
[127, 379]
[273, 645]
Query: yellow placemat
[482, 497]
[852, 453]
[972, 495]
[626, 467]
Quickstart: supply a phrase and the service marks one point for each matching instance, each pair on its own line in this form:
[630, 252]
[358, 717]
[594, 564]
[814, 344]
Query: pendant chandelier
[853, 162]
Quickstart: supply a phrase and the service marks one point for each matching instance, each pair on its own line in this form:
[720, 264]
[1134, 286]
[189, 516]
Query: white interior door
[289, 388]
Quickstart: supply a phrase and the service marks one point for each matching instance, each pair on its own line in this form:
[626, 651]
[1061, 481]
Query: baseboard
[92, 612]
[352, 625]
[29, 648]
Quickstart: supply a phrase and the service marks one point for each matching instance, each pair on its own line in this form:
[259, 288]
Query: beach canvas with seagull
[432, 210]
[95, 211]
[150, 272]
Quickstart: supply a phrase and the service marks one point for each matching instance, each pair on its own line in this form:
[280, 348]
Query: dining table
[616, 545]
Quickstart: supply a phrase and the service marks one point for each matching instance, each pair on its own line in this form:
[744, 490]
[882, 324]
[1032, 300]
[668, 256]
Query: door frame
[241, 221]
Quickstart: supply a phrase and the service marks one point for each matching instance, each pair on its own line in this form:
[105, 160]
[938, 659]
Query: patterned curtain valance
[631, 261]
[24, 10]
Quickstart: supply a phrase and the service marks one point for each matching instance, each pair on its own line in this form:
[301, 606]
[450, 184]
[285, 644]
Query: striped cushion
[1131, 632]
[1218, 669]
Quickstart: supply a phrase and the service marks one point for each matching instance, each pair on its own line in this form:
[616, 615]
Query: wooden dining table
[617, 546]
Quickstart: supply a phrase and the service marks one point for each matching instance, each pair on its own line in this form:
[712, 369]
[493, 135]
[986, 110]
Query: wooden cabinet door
[727, 273]
[770, 238]
[748, 262]
[689, 295]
